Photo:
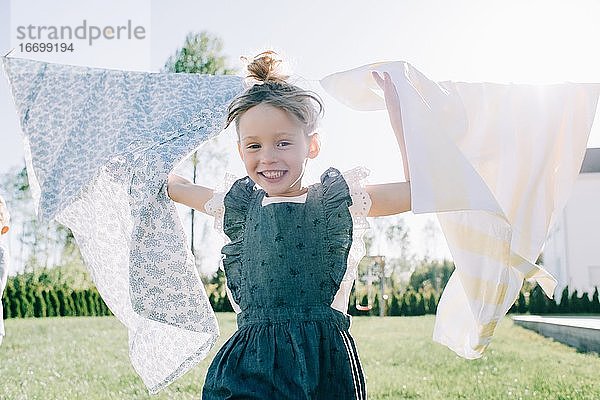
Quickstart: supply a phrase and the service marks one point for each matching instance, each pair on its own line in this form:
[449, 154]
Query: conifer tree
[574, 302]
[62, 303]
[6, 313]
[75, 302]
[49, 308]
[13, 298]
[431, 304]
[375, 310]
[521, 303]
[395, 306]
[420, 304]
[404, 307]
[585, 303]
[54, 302]
[412, 302]
[595, 306]
[83, 302]
[97, 303]
[30, 303]
[39, 306]
[90, 303]
[352, 302]
[564, 306]
[226, 306]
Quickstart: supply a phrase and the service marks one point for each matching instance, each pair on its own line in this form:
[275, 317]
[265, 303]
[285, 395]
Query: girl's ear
[314, 146]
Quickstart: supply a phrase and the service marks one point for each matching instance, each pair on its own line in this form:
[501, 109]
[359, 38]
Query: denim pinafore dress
[284, 265]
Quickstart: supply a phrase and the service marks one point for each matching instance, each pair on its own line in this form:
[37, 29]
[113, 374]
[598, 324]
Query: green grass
[70, 358]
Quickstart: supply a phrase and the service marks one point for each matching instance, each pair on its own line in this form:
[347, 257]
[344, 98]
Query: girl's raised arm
[391, 198]
[185, 192]
[392, 103]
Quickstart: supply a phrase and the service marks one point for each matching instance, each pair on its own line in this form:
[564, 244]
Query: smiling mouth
[272, 175]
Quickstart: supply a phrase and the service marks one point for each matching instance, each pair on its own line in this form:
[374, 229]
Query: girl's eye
[253, 146]
[284, 143]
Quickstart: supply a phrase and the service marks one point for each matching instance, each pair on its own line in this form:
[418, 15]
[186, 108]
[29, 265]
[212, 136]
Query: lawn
[86, 358]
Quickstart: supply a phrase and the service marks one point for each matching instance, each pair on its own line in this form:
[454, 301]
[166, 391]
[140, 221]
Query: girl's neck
[296, 193]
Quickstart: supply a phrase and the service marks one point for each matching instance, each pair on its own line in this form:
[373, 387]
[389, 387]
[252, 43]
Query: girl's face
[275, 149]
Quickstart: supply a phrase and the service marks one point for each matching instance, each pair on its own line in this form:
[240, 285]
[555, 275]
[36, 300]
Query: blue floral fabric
[99, 145]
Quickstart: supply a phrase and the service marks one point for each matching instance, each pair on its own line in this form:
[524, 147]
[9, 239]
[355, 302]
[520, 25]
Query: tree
[564, 300]
[585, 303]
[595, 306]
[412, 302]
[12, 299]
[50, 311]
[375, 310]
[574, 302]
[395, 306]
[201, 54]
[63, 304]
[434, 274]
[404, 306]
[431, 304]
[537, 303]
[521, 303]
[39, 306]
[420, 310]
[54, 303]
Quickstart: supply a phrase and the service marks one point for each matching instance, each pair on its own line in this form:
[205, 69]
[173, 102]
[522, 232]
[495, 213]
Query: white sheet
[496, 162]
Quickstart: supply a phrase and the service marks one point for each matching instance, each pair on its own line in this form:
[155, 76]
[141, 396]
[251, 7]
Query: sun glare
[537, 42]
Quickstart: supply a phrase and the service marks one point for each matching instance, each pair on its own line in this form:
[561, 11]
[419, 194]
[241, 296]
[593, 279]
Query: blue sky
[508, 41]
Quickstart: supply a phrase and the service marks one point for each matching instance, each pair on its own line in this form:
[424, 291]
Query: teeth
[273, 174]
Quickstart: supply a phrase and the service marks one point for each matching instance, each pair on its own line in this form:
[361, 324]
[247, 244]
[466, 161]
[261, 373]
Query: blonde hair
[270, 86]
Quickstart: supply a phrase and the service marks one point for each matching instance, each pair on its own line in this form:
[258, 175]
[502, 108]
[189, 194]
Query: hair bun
[266, 67]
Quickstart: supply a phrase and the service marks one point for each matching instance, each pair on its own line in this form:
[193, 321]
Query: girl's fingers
[387, 85]
[378, 79]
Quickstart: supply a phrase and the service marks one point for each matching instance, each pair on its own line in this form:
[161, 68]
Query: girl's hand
[392, 101]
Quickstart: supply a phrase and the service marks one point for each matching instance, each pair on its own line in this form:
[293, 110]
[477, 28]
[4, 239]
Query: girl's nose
[268, 155]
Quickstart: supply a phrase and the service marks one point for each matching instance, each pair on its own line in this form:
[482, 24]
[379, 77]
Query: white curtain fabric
[496, 162]
[99, 145]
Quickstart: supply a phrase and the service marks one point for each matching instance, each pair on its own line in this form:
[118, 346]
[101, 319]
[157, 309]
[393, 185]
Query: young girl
[287, 263]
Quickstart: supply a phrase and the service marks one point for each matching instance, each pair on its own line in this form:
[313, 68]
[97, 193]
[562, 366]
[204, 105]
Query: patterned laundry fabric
[99, 145]
[496, 162]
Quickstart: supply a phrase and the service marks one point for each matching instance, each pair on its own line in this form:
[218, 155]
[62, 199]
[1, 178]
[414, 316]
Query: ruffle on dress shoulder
[215, 206]
[336, 201]
[236, 204]
[356, 179]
